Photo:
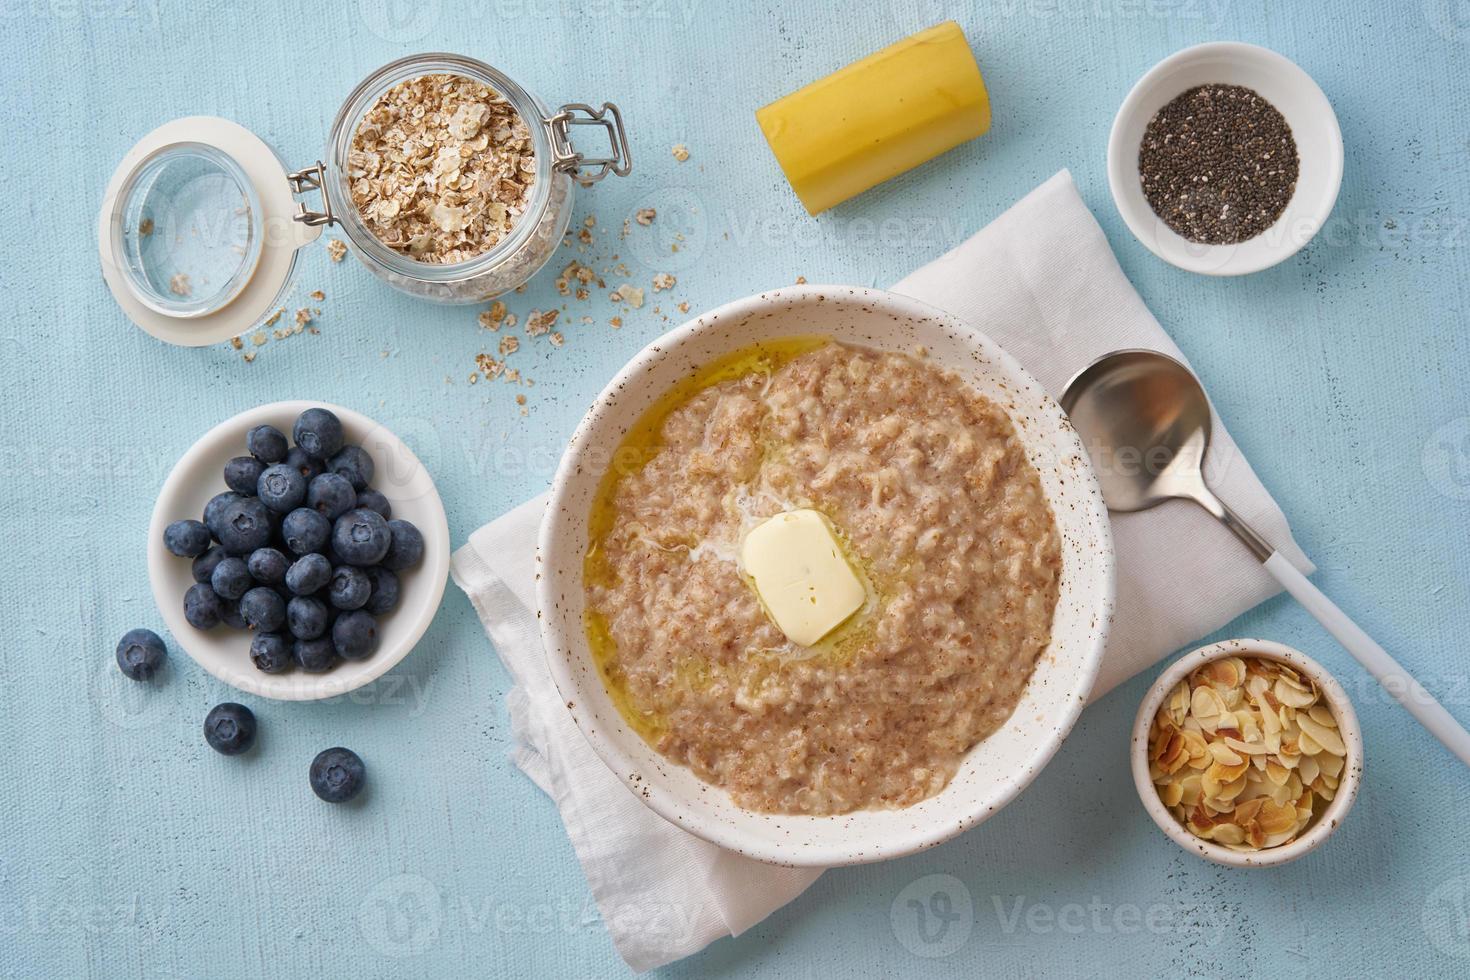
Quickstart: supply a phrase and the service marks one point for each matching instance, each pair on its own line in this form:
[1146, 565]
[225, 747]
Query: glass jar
[231, 219]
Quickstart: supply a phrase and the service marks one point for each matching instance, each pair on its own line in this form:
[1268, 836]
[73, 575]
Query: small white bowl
[225, 652]
[997, 768]
[1322, 825]
[1313, 126]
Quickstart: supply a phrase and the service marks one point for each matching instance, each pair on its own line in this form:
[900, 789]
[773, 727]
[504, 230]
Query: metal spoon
[1146, 423]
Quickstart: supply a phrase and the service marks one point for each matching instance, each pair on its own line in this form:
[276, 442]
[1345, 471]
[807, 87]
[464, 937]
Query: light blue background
[127, 848]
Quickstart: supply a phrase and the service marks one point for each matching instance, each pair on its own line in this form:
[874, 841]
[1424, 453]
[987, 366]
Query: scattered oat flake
[492, 318]
[520, 399]
[474, 377]
[684, 307]
[590, 221]
[258, 338]
[662, 281]
[628, 293]
[179, 285]
[538, 323]
[317, 295]
[681, 152]
[557, 339]
[645, 216]
[249, 357]
[336, 248]
[236, 343]
[270, 321]
[616, 323]
[509, 345]
[801, 280]
[303, 317]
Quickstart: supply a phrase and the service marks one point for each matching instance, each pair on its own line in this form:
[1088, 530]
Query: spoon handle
[1395, 680]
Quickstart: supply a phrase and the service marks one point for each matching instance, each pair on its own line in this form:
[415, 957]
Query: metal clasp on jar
[582, 168]
[312, 179]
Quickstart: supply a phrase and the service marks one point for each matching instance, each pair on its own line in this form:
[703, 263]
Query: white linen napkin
[1042, 282]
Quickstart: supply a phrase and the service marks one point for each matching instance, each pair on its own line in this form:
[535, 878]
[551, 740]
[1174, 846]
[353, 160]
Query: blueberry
[355, 464]
[355, 635]
[140, 654]
[349, 588]
[337, 775]
[214, 511]
[267, 566]
[330, 495]
[308, 574]
[281, 488]
[203, 566]
[407, 548]
[373, 500]
[361, 537]
[266, 443]
[385, 591]
[242, 473]
[229, 728]
[299, 461]
[270, 652]
[315, 656]
[201, 607]
[318, 432]
[306, 618]
[263, 610]
[231, 579]
[244, 526]
[187, 539]
[305, 531]
[229, 614]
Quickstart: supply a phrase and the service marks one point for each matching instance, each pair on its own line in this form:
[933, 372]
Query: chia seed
[1218, 164]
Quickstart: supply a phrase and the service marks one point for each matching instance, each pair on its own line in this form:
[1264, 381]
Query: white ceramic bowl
[1322, 825]
[1313, 126]
[225, 652]
[996, 769]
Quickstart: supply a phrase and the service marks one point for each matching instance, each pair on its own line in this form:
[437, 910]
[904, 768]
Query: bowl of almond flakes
[1247, 753]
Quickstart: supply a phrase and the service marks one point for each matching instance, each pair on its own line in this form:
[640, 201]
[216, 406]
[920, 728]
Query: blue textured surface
[127, 848]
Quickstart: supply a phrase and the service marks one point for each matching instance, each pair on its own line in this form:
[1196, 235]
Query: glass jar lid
[196, 232]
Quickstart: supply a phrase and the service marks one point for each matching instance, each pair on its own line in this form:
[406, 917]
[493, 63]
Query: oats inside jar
[441, 168]
[937, 509]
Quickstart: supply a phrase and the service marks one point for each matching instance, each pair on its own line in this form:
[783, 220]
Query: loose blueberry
[318, 432]
[355, 464]
[315, 656]
[373, 500]
[281, 488]
[266, 443]
[407, 548]
[385, 591]
[330, 495]
[231, 579]
[270, 652]
[201, 607]
[244, 526]
[204, 566]
[299, 461]
[337, 775]
[305, 531]
[242, 473]
[140, 654]
[355, 635]
[229, 728]
[263, 610]
[306, 618]
[187, 539]
[214, 511]
[267, 566]
[349, 588]
[308, 574]
[361, 537]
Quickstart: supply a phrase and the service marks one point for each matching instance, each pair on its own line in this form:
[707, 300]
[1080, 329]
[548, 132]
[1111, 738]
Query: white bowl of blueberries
[298, 551]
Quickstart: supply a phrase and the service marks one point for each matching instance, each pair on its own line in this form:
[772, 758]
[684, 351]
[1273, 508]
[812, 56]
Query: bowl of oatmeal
[945, 490]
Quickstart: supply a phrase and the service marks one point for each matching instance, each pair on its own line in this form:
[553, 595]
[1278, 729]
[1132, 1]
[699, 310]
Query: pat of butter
[878, 117]
[801, 575]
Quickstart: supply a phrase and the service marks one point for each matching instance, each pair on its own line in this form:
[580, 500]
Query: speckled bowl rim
[413, 497]
[559, 567]
[1325, 824]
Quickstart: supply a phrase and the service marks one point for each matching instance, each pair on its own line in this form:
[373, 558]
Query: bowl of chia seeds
[1225, 158]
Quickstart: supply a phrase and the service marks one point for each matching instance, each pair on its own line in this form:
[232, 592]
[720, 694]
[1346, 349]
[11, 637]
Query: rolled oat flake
[1218, 164]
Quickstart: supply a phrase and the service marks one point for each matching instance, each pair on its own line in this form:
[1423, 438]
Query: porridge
[941, 517]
